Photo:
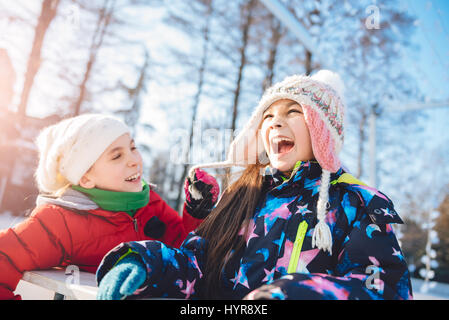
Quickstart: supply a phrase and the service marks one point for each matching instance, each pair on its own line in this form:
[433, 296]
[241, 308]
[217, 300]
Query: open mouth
[281, 145]
[133, 178]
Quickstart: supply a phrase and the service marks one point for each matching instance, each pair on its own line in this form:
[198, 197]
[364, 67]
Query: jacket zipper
[135, 224]
[297, 246]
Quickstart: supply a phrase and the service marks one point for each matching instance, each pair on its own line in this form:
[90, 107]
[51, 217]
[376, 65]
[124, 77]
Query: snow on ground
[437, 291]
[7, 220]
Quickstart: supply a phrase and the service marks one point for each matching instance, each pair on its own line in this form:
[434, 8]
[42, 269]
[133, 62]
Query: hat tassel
[322, 236]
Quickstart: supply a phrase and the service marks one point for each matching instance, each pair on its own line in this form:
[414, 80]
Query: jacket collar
[306, 174]
[77, 200]
[70, 199]
[310, 170]
[114, 201]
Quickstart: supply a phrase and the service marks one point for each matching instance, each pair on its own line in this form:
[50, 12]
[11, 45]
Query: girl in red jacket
[92, 197]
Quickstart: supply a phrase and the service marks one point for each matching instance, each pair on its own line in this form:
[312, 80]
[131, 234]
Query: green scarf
[128, 202]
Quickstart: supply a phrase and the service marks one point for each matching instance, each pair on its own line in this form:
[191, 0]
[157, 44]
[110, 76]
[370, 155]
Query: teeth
[279, 139]
[133, 177]
[276, 141]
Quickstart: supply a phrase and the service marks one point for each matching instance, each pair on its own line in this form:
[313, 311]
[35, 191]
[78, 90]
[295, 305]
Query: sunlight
[7, 79]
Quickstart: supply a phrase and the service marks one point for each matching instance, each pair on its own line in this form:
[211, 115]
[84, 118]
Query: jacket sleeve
[190, 223]
[35, 243]
[369, 263]
[177, 228]
[171, 272]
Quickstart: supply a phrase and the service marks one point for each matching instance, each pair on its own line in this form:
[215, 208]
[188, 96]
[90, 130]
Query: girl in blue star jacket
[294, 225]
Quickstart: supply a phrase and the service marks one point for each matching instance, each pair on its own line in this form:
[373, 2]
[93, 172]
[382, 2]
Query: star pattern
[189, 289]
[398, 254]
[260, 267]
[305, 258]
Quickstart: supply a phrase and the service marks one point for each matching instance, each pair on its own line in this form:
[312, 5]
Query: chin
[136, 189]
[282, 166]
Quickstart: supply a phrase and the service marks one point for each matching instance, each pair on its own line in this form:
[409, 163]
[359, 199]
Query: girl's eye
[133, 148]
[117, 156]
[267, 116]
[294, 110]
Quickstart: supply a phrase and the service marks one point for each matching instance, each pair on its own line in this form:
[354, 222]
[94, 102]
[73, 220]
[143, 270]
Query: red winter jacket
[54, 236]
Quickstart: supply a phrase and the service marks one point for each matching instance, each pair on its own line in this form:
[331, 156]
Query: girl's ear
[86, 182]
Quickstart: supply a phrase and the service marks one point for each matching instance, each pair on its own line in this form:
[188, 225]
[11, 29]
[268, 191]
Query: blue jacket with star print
[278, 261]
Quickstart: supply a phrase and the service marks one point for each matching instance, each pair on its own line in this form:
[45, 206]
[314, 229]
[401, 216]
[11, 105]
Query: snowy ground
[437, 291]
[7, 220]
[32, 292]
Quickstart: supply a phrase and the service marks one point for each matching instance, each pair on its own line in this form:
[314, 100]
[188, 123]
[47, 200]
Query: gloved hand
[122, 280]
[201, 190]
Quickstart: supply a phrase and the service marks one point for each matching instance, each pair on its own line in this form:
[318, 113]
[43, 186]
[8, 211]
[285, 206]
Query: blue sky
[430, 64]
[432, 34]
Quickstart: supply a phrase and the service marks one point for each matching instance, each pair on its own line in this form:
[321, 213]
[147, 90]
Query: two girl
[294, 225]
[92, 198]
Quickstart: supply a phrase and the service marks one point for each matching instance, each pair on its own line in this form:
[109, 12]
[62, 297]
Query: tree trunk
[132, 115]
[97, 41]
[362, 125]
[308, 62]
[242, 50]
[48, 12]
[196, 101]
[276, 35]
[242, 63]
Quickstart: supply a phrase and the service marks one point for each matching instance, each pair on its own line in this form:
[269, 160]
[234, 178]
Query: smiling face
[119, 168]
[285, 135]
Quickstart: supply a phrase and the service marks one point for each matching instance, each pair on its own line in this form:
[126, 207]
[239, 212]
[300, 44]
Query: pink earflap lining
[323, 144]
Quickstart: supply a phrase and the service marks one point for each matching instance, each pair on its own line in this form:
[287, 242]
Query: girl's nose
[277, 122]
[133, 160]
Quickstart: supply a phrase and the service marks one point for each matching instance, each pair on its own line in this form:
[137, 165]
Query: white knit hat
[69, 148]
[322, 99]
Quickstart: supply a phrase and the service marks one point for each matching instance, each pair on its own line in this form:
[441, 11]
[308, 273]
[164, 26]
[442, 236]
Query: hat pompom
[331, 79]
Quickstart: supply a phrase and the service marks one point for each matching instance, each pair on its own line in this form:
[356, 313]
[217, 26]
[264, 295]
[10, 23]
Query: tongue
[285, 146]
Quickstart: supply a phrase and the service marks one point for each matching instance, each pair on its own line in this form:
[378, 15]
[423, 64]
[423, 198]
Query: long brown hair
[221, 228]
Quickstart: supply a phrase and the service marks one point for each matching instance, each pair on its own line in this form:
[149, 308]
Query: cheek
[139, 157]
[111, 174]
[301, 132]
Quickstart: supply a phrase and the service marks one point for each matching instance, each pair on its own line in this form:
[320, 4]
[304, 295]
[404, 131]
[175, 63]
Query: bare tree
[7, 79]
[132, 114]
[205, 33]
[362, 138]
[48, 12]
[276, 33]
[246, 22]
[103, 22]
